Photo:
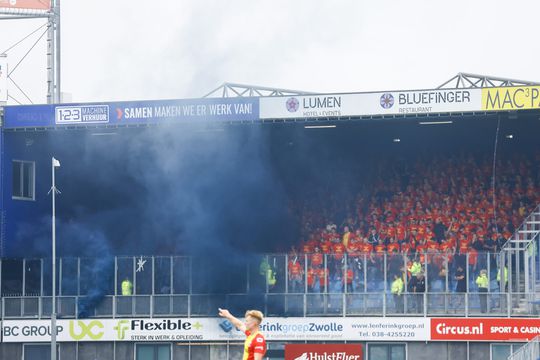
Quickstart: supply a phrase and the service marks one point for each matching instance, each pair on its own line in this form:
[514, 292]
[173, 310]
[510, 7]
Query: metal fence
[183, 275]
[299, 285]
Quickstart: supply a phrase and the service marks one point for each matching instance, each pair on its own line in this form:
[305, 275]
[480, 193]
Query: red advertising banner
[475, 329]
[323, 352]
[26, 4]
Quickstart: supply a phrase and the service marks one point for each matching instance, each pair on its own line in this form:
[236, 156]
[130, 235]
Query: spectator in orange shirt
[406, 248]
[322, 274]
[296, 271]
[413, 240]
[312, 279]
[393, 246]
[429, 236]
[380, 249]
[421, 231]
[316, 259]
[353, 250]
[307, 248]
[339, 251]
[348, 279]
[326, 246]
[365, 247]
[391, 232]
[421, 247]
[473, 260]
[433, 246]
[413, 227]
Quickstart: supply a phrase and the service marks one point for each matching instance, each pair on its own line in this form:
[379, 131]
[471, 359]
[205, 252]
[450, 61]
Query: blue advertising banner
[132, 112]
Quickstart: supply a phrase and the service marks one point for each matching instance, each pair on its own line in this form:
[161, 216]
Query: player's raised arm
[236, 322]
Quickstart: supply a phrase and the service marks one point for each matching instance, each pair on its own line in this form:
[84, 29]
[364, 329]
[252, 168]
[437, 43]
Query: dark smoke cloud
[199, 191]
[167, 190]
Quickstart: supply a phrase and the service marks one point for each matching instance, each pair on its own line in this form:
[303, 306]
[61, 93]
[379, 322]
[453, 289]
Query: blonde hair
[256, 314]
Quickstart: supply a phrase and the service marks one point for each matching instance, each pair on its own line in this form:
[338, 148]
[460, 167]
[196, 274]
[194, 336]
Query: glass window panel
[397, 352]
[145, 352]
[257, 282]
[16, 179]
[500, 352]
[32, 278]
[125, 272]
[37, 352]
[181, 274]
[163, 352]
[97, 275]
[378, 352]
[162, 275]
[12, 275]
[375, 272]
[69, 276]
[23, 179]
[143, 273]
[28, 176]
[277, 264]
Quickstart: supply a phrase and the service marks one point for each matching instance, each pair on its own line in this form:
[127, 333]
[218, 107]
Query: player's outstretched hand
[224, 313]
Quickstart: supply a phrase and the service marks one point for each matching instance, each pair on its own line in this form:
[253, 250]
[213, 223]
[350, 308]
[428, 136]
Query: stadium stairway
[522, 256]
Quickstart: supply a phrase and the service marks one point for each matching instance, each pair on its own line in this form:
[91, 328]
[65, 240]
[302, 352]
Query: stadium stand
[438, 213]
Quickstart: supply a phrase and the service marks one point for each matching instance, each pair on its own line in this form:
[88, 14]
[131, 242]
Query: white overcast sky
[134, 49]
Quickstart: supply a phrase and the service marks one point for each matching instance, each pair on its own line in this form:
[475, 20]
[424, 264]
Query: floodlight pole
[57, 51]
[53, 43]
[54, 164]
[50, 60]
[53, 54]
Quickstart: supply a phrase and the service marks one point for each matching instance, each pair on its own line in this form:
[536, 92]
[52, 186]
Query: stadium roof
[464, 94]
[241, 90]
[459, 81]
[468, 81]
